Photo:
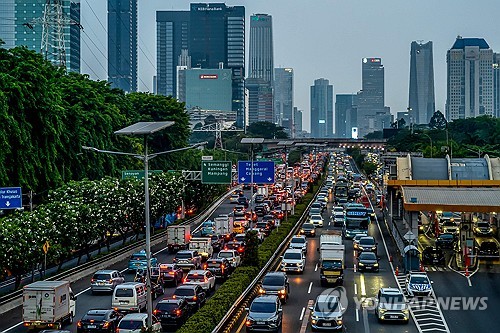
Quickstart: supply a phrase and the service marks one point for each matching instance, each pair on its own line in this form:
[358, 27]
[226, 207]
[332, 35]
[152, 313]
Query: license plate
[91, 326]
[393, 317]
[138, 264]
[261, 323]
[327, 324]
[368, 267]
[101, 283]
[123, 303]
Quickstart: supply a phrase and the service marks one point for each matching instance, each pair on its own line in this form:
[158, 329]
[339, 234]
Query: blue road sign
[263, 172]
[11, 198]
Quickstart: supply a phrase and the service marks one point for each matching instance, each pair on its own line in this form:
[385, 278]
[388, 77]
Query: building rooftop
[461, 43]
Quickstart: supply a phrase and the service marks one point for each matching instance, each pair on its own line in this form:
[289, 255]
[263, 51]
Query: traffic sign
[45, 247]
[138, 174]
[207, 158]
[263, 172]
[11, 198]
[216, 172]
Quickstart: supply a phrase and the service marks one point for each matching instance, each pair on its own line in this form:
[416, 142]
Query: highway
[11, 321]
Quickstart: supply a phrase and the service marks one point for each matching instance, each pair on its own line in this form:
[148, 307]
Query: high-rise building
[372, 115]
[470, 79]
[122, 44]
[421, 92]
[209, 89]
[14, 13]
[496, 84]
[345, 115]
[209, 36]
[321, 109]
[283, 97]
[297, 118]
[260, 69]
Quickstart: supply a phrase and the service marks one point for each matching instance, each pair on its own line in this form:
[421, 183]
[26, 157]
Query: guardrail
[14, 299]
[234, 313]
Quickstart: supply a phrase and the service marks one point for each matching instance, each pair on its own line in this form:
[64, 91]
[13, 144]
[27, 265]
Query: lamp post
[430, 139]
[479, 152]
[145, 129]
[286, 144]
[251, 141]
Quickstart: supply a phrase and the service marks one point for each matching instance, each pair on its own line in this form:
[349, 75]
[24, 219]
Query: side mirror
[311, 308]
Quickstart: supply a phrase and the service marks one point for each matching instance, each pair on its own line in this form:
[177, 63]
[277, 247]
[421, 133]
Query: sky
[323, 39]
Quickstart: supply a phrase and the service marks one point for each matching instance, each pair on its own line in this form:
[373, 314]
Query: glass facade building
[496, 84]
[283, 97]
[208, 89]
[321, 109]
[421, 92]
[345, 115]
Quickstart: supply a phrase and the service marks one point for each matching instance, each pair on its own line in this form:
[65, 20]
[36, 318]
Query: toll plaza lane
[87, 301]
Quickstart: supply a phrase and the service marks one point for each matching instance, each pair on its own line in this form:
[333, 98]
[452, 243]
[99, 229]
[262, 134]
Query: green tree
[266, 130]
[438, 121]
[251, 257]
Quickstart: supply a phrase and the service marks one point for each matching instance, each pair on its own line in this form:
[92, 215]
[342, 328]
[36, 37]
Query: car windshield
[308, 226]
[130, 324]
[298, 240]
[483, 224]
[183, 255]
[225, 254]
[138, 257]
[488, 246]
[419, 280]
[124, 292]
[102, 276]
[367, 256]
[358, 237]
[292, 255]
[94, 316]
[263, 307]
[195, 277]
[274, 281]
[262, 224]
[446, 236]
[392, 299]
[449, 224]
[367, 241]
[316, 217]
[329, 306]
[332, 264]
[184, 292]
[167, 307]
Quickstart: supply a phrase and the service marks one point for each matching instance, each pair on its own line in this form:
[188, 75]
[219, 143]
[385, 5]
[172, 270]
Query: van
[129, 297]
[487, 247]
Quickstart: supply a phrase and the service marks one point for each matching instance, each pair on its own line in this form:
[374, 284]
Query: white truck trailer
[178, 237]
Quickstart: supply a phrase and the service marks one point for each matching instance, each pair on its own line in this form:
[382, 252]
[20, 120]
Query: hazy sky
[324, 38]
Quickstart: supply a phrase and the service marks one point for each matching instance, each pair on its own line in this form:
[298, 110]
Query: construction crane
[218, 127]
[53, 22]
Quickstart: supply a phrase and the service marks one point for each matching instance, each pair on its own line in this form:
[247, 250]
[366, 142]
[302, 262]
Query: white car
[136, 323]
[203, 278]
[299, 243]
[293, 260]
[418, 284]
[317, 220]
[231, 255]
[234, 198]
[391, 306]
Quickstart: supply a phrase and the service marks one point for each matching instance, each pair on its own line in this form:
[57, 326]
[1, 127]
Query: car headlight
[405, 311]
[374, 247]
[262, 291]
[361, 264]
[382, 310]
[375, 265]
[282, 291]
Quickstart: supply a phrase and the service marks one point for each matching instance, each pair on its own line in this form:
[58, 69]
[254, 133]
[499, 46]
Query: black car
[275, 283]
[102, 321]
[170, 274]
[367, 261]
[308, 229]
[271, 219]
[220, 268]
[243, 201]
[259, 198]
[172, 312]
[217, 242]
[433, 256]
[260, 210]
[235, 245]
[265, 227]
[192, 293]
[446, 241]
[265, 314]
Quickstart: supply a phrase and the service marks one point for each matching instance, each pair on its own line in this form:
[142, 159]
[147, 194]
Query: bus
[341, 192]
[357, 219]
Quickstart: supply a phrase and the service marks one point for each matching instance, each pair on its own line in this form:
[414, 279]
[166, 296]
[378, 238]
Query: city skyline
[354, 25]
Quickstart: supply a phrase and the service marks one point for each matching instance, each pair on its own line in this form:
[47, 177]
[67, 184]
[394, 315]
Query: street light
[251, 141]
[430, 139]
[474, 151]
[286, 144]
[144, 129]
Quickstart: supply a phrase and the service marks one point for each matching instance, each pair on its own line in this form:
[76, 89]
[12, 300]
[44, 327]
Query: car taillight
[171, 273]
[174, 296]
[156, 311]
[195, 298]
[79, 324]
[92, 280]
[110, 280]
[205, 266]
[178, 312]
[117, 330]
[106, 324]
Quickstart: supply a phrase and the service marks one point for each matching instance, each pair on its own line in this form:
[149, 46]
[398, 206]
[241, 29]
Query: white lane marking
[354, 268]
[12, 327]
[468, 280]
[363, 287]
[302, 314]
[357, 314]
[310, 286]
[355, 290]
[316, 267]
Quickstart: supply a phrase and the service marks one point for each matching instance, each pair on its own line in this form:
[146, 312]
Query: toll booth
[411, 258]
[466, 240]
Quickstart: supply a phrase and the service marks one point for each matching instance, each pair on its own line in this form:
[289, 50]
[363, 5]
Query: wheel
[70, 319]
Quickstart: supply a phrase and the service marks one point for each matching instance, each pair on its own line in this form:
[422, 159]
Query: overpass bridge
[375, 144]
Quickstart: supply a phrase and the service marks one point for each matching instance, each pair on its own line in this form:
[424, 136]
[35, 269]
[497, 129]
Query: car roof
[367, 237]
[171, 300]
[423, 274]
[106, 271]
[197, 271]
[135, 316]
[299, 236]
[128, 284]
[391, 291]
[326, 298]
[187, 286]
[293, 251]
[98, 311]
[265, 299]
[275, 274]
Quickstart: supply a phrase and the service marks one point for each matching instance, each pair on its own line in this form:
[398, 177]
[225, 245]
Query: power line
[83, 40]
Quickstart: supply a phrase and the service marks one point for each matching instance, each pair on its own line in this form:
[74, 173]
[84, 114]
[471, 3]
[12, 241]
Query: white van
[129, 297]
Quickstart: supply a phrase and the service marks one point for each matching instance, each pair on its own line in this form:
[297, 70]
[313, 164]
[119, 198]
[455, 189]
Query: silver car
[327, 312]
[391, 305]
[106, 281]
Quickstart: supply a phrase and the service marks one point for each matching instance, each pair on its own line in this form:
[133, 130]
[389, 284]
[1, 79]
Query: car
[231, 255]
[260, 235]
[487, 247]
[484, 228]
[102, 321]
[171, 274]
[172, 313]
[433, 256]
[265, 314]
[192, 293]
[327, 313]
[203, 278]
[271, 219]
[446, 241]
[338, 219]
[308, 229]
[106, 280]
[391, 306]
[449, 226]
[217, 241]
[299, 242]
[220, 268]
[355, 240]
[367, 243]
[318, 205]
[367, 261]
[275, 283]
[188, 259]
[242, 200]
[259, 198]
[138, 261]
[317, 220]
[237, 246]
[264, 227]
[338, 209]
[261, 210]
[137, 322]
[418, 284]
[240, 237]
[293, 260]
[239, 210]
[234, 198]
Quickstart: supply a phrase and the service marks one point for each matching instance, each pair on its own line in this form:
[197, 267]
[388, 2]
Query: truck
[203, 245]
[223, 226]
[178, 237]
[330, 237]
[48, 304]
[331, 264]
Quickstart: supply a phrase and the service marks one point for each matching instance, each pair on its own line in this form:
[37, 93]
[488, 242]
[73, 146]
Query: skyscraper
[260, 69]
[421, 94]
[470, 79]
[122, 44]
[372, 114]
[345, 115]
[496, 84]
[321, 109]
[283, 97]
[73, 64]
[297, 118]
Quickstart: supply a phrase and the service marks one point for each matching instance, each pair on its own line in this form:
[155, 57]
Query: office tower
[345, 117]
[470, 79]
[122, 44]
[321, 109]
[496, 84]
[372, 115]
[297, 118]
[421, 92]
[209, 36]
[283, 97]
[260, 69]
[209, 89]
[15, 13]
